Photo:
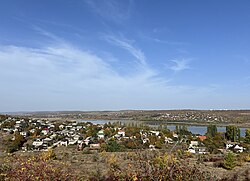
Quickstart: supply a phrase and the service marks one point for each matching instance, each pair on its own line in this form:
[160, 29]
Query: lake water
[203, 129]
[107, 121]
[194, 129]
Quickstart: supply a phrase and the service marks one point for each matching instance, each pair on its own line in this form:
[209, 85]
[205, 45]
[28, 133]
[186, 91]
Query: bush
[152, 166]
[50, 154]
[229, 161]
[113, 146]
[36, 168]
[15, 144]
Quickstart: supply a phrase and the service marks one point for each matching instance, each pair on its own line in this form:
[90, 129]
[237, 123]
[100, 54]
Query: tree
[232, 133]
[247, 136]
[211, 131]
[182, 130]
[229, 161]
[15, 144]
[113, 146]
[214, 143]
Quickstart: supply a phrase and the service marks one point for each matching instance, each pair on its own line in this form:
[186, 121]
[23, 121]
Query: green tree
[247, 136]
[113, 146]
[229, 161]
[16, 144]
[232, 133]
[213, 144]
[211, 130]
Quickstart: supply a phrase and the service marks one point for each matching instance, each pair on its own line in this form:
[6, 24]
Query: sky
[91, 55]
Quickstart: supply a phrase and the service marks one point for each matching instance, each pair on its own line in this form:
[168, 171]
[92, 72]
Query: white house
[87, 140]
[61, 126]
[156, 133]
[175, 135]
[94, 146]
[238, 148]
[24, 133]
[78, 127]
[45, 131]
[168, 140]
[37, 143]
[100, 134]
[230, 144]
[151, 147]
[121, 133]
[72, 142]
[64, 143]
[191, 150]
[194, 144]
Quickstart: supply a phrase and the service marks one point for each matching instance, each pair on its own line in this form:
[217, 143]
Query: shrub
[50, 154]
[153, 166]
[229, 161]
[36, 168]
[113, 146]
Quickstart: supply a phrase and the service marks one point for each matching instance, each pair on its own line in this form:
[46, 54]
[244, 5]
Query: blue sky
[124, 54]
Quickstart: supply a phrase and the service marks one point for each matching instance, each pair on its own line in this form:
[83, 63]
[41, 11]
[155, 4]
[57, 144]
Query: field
[91, 165]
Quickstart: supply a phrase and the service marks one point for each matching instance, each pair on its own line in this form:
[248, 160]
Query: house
[168, 140]
[175, 135]
[63, 143]
[121, 133]
[45, 131]
[24, 133]
[47, 140]
[100, 134]
[72, 142]
[195, 148]
[230, 144]
[192, 146]
[53, 136]
[76, 137]
[78, 128]
[201, 150]
[33, 130]
[68, 127]
[156, 133]
[95, 146]
[37, 143]
[61, 127]
[145, 140]
[191, 150]
[87, 140]
[235, 146]
[151, 147]
[202, 138]
[238, 148]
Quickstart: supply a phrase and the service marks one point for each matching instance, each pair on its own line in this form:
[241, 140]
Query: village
[42, 135]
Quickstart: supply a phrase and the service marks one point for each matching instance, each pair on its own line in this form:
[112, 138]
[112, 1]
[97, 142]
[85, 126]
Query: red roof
[202, 138]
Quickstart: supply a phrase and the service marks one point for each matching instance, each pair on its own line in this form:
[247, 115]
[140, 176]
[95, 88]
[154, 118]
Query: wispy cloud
[62, 72]
[154, 38]
[63, 77]
[47, 34]
[127, 45]
[166, 42]
[180, 64]
[113, 10]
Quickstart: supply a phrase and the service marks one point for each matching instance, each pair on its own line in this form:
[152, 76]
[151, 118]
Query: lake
[192, 128]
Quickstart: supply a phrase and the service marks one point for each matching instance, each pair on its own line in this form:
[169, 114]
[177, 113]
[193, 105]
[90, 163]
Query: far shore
[156, 122]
